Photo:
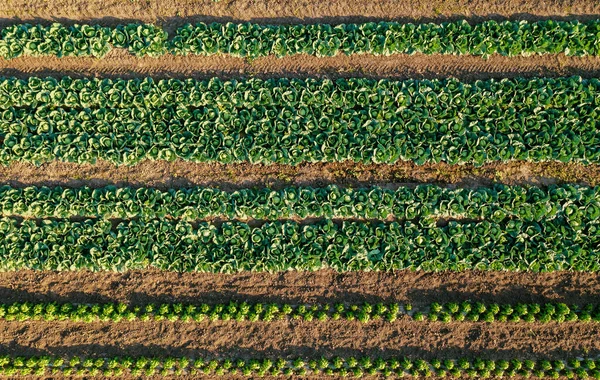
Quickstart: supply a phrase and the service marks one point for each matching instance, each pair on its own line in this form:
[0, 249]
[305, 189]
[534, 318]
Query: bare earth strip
[119, 63]
[179, 174]
[174, 13]
[324, 286]
[310, 340]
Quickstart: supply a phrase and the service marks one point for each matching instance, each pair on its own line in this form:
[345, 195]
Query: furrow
[121, 64]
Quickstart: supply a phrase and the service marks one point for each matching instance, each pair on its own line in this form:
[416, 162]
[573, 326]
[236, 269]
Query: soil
[120, 64]
[302, 339]
[325, 286]
[178, 174]
[172, 13]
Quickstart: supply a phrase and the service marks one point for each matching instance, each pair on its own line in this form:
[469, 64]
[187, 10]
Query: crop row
[277, 141]
[440, 97]
[424, 203]
[266, 312]
[339, 367]
[280, 246]
[420, 121]
[266, 135]
[511, 38]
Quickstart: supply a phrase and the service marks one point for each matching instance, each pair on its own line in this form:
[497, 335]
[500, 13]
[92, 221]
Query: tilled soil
[302, 339]
[179, 174]
[120, 64]
[171, 14]
[325, 286]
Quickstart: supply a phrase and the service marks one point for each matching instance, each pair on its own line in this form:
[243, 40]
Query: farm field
[299, 189]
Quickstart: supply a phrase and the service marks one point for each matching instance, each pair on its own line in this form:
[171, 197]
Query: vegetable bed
[297, 121]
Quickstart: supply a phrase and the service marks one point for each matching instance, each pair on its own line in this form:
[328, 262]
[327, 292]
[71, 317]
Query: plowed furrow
[311, 340]
[417, 288]
[174, 13]
[178, 174]
[121, 64]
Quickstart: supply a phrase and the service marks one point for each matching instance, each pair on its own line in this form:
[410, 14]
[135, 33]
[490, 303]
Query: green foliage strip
[509, 38]
[339, 367]
[424, 203]
[552, 245]
[296, 121]
[266, 312]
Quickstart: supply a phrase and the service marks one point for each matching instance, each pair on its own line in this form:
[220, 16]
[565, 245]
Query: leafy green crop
[425, 204]
[336, 366]
[551, 245]
[260, 312]
[492, 312]
[295, 121]
[510, 38]
[81, 40]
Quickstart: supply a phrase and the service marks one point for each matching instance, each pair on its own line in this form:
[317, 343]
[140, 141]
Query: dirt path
[418, 288]
[178, 174]
[172, 13]
[119, 63]
[311, 340]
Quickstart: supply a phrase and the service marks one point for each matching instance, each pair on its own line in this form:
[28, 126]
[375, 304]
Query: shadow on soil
[8, 295]
[510, 294]
[153, 350]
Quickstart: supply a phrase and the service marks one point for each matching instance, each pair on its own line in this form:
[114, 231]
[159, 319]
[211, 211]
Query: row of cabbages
[425, 204]
[261, 312]
[551, 245]
[295, 121]
[396, 367]
[510, 38]
[383, 95]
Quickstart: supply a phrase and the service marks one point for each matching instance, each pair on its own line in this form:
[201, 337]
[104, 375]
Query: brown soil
[161, 174]
[296, 339]
[119, 63]
[417, 288]
[174, 13]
